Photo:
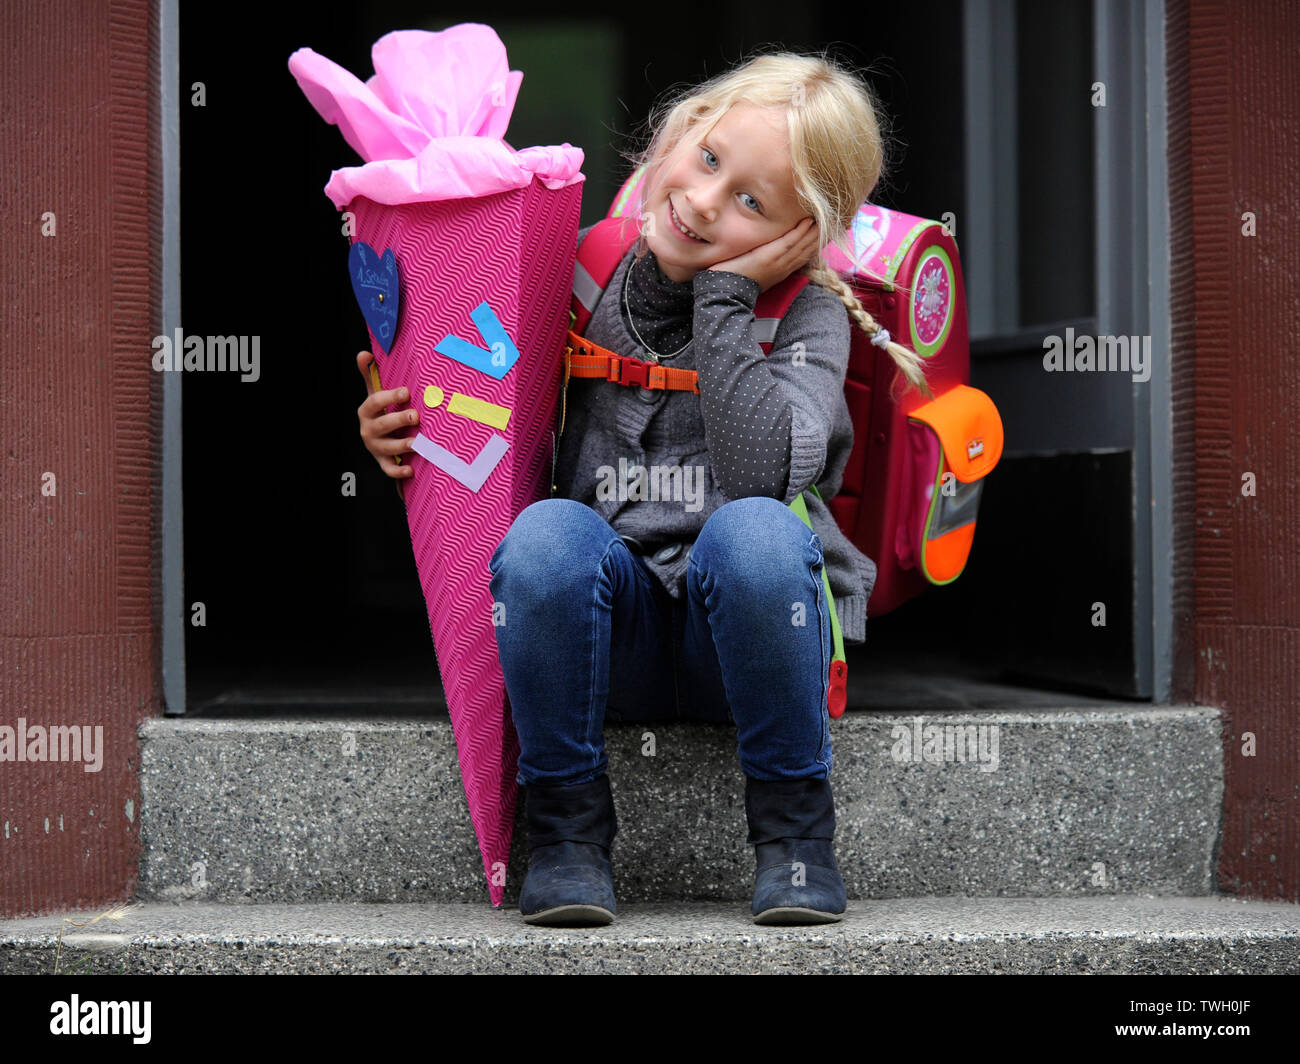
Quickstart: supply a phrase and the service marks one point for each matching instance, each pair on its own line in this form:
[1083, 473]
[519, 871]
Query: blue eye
[711, 161]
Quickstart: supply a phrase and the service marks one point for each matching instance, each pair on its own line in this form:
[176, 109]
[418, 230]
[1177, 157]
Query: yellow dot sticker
[432, 396]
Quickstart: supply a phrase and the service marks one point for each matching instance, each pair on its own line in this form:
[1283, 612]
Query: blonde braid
[908, 362]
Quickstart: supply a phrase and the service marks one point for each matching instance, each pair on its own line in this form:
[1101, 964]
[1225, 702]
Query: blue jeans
[585, 631]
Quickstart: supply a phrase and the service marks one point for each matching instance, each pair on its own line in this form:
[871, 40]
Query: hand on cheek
[774, 261]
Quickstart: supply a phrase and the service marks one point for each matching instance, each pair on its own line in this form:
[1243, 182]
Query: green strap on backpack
[837, 636]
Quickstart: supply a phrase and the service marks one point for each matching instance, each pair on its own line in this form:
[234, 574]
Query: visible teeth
[681, 225]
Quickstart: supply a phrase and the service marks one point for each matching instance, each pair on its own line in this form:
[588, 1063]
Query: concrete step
[1098, 801]
[1171, 935]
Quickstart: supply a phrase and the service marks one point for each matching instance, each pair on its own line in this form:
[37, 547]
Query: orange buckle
[634, 372]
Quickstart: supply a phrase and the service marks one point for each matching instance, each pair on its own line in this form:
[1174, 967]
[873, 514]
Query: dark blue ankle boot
[570, 830]
[791, 825]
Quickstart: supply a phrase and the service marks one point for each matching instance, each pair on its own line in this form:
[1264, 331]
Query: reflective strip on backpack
[954, 509]
[764, 329]
[585, 287]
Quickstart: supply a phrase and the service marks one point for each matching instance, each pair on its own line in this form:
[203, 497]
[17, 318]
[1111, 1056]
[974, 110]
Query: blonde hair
[836, 153]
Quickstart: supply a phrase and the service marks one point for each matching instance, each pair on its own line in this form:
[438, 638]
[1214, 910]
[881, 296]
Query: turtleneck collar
[662, 309]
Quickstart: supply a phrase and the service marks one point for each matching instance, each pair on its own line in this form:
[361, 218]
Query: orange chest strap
[586, 359]
[582, 358]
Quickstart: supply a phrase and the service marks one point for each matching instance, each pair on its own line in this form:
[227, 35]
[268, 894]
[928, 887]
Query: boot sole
[572, 916]
[789, 915]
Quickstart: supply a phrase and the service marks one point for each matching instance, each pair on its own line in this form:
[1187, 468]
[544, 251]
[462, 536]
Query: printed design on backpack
[870, 230]
[932, 302]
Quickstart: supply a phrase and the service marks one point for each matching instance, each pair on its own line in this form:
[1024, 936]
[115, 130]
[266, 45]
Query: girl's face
[732, 187]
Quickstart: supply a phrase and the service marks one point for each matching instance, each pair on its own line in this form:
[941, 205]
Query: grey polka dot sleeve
[767, 418]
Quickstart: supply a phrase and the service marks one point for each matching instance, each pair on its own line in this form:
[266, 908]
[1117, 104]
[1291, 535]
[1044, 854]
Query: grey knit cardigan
[701, 451]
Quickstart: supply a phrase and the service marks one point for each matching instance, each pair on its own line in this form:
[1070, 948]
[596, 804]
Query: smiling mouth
[681, 226]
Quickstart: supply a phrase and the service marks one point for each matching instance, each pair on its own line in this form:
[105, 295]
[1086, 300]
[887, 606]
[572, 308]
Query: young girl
[706, 602]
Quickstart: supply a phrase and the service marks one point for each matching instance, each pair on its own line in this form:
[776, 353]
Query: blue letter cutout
[496, 359]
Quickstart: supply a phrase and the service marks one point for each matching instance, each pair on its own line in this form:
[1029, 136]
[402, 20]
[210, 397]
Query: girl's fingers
[392, 469]
[809, 244]
[388, 445]
[797, 246]
[375, 427]
[375, 402]
[387, 396]
[801, 230]
[390, 423]
[364, 359]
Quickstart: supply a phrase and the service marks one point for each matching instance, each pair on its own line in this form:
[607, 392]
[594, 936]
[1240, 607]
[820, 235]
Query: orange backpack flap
[954, 442]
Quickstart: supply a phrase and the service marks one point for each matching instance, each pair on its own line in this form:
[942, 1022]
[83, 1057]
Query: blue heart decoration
[374, 283]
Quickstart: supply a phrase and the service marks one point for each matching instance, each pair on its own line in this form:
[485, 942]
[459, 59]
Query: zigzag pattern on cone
[515, 250]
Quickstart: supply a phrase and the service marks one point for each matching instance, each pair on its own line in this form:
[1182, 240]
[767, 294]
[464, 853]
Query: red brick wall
[78, 572]
[1234, 83]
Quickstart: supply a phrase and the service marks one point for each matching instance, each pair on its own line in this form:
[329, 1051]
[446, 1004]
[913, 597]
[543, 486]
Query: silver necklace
[654, 355]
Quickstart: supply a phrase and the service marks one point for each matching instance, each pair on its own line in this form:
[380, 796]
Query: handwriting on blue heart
[374, 283]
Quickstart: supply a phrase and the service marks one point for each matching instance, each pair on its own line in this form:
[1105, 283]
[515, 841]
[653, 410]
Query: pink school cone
[513, 250]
